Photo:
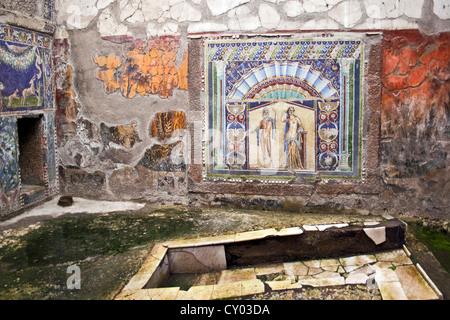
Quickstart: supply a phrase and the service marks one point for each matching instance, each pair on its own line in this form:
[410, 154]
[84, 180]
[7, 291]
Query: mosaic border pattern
[316, 77]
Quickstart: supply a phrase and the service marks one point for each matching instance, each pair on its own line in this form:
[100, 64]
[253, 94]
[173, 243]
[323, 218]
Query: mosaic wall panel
[25, 70]
[9, 162]
[48, 9]
[278, 108]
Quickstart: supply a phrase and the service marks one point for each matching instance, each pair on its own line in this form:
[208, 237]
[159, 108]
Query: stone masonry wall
[130, 94]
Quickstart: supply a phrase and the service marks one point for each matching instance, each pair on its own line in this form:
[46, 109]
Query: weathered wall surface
[415, 122]
[131, 91]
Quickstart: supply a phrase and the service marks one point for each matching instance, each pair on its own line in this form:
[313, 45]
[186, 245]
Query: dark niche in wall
[30, 151]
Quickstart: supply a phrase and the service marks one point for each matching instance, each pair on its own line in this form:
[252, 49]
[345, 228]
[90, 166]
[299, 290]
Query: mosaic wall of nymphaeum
[9, 163]
[282, 108]
[25, 70]
[147, 68]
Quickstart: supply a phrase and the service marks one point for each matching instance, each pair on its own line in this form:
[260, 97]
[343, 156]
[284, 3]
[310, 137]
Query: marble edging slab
[158, 257]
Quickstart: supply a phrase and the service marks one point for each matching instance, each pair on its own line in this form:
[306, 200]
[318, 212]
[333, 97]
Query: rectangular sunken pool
[253, 262]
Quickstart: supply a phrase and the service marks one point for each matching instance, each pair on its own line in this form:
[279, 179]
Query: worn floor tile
[326, 274]
[313, 271]
[312, 263]
[398, 257]
[310, 228]
[269, 269]
[289, 231]
[356, 278]
[279, 285]
[385, 275]
[295, 268]
[392, 291]
[252, 287]
[201, 292]
[414, 285]
[336, 281]
[226, 290]
[329, 262]
[228, 276]
[162, 293]
[253, 235]
[323, 227]
[358, 260]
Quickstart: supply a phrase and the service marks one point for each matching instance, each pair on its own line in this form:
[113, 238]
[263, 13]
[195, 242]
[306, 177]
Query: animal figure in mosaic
[31, 90]
[13, 96]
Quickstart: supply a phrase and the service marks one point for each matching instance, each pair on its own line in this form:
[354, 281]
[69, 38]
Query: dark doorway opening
[31, 154]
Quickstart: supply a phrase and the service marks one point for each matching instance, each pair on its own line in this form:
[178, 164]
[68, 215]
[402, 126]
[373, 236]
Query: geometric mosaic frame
[283, 107]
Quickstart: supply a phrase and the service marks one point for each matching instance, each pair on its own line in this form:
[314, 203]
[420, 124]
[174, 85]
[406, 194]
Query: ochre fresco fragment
[125, 135]
[168, 157]
[67, 105]
[167, 124]
[147, 68]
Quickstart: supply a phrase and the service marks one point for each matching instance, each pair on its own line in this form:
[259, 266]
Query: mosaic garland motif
[282, 108]
[25, 70]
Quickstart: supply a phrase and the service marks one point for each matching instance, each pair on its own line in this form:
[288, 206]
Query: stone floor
[389, 275]
[50, 209]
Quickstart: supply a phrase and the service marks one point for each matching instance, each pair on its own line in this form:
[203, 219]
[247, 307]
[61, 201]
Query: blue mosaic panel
[282, 108]
[9, 162]
[25, 70]
[48, 9]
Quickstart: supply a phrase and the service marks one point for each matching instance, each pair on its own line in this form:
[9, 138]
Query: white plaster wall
[170, 17]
